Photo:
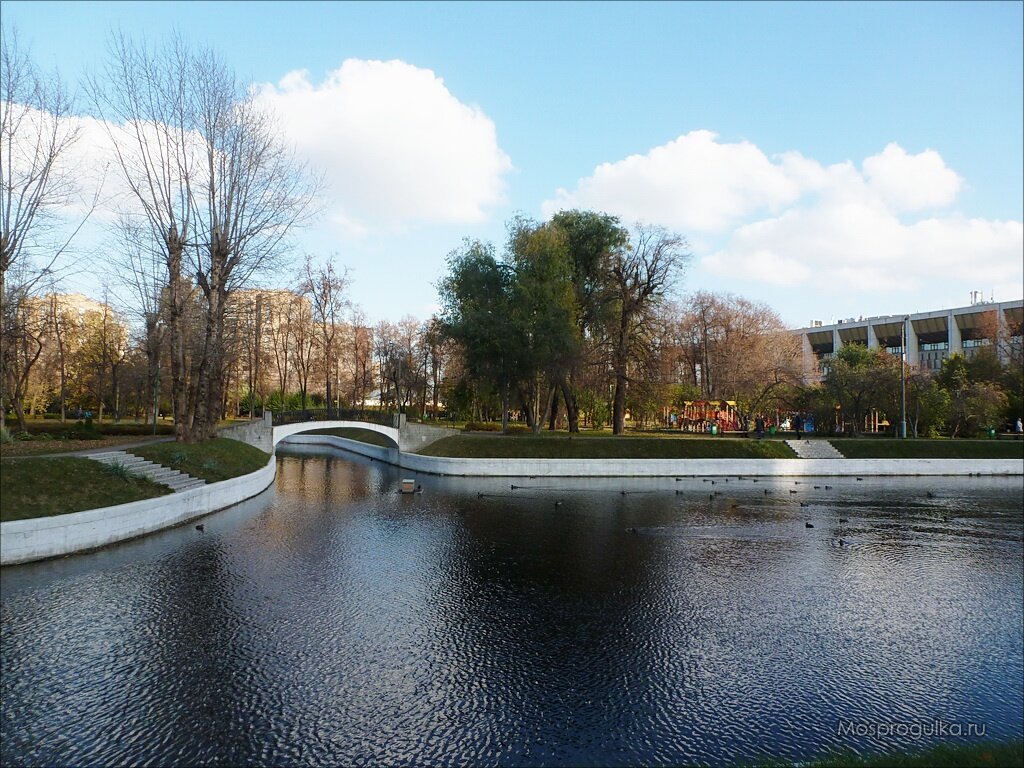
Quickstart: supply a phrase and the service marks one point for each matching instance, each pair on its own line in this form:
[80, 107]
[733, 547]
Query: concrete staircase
[814, 449]
[172, 478]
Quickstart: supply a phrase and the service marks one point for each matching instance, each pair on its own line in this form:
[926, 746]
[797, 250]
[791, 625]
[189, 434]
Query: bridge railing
[281, 418]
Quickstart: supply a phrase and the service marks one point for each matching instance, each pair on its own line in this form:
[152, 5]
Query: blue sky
[830, 159]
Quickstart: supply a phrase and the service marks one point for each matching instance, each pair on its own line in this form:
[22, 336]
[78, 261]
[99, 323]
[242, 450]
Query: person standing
[798, 425]
[759, 427]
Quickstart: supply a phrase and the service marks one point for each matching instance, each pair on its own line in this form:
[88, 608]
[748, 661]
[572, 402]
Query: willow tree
[592, 239]
[477, 303]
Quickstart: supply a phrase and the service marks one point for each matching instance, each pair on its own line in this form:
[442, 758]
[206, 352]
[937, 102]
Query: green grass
[562, 446]
[353, 433]
[982, 755]
[43, 487]
[871, 448]
[211, 460]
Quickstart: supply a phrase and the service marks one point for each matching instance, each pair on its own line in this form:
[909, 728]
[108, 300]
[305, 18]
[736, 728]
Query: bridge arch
[286, 430]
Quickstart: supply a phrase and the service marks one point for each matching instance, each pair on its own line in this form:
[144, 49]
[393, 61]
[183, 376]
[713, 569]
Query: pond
[332, 620]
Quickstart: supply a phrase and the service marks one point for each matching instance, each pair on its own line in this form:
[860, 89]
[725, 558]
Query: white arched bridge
[400, 434]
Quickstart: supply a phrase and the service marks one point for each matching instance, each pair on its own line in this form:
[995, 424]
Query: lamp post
[903, 379]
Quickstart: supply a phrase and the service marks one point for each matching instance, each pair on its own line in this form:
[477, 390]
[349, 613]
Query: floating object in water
[765, 491]
[842, 542]
[791, 490]
[804, 504]
[931, 495]
[828, 487]
[808, 525]
[408, 485]
[631, 530]
[860, 478]
[817, 487]
[843, 520]
[558, 503]
[200, 528]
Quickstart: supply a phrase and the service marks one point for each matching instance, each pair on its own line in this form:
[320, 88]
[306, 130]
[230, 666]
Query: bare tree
[362, 357]
[36, 134]
[148, 117]
[219, 189]
[325, 288]
[640, 274]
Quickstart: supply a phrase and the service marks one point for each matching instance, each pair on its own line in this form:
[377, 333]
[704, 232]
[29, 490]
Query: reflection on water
[599, 622]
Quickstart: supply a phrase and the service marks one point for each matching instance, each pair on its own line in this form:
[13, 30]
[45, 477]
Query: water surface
[562, 622]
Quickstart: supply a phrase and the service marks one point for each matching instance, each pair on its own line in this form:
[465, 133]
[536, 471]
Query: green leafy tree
[593, 239]
[859, 379]
[477, 300]
[544, 312]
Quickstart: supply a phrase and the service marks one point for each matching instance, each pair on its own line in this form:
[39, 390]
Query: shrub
[5, 436]
[120, 471]
[482, 426]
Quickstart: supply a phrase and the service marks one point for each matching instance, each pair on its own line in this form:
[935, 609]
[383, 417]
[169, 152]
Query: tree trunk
[572, 408]
[550, 407]
[619, 405]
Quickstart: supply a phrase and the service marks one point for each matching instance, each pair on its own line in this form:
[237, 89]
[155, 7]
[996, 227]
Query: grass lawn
[352, 433]
[37, 447]
[43, 487]
[211, 460]
[562, 446]
[988, 755]
[869, 448]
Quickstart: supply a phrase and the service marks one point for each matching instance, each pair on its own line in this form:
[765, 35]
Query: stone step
[814, 449]
[174, 479]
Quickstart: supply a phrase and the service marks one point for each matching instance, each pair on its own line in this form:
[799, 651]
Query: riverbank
[661, 467]
[58, 506]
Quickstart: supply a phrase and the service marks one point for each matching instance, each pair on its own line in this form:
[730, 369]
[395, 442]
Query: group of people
[796, 423]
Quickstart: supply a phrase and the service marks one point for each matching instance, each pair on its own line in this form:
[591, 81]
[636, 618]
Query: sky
[830, 159]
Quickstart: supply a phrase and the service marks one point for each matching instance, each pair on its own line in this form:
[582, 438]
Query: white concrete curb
[436, 465]
[22, 541]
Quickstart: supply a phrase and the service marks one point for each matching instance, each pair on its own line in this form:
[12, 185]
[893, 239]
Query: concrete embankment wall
[436, 465]
[258, 433]
[22, 541]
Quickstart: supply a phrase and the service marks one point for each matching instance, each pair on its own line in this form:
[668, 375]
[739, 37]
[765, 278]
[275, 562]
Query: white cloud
[395, 145]
[842, 233]
[844, 249]
[912, 182]
[691, 183]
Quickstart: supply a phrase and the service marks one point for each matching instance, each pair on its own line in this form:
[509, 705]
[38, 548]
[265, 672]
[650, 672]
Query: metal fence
[333, 414]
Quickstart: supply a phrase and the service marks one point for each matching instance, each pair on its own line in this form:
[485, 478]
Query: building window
[935, 345]
[969, 343]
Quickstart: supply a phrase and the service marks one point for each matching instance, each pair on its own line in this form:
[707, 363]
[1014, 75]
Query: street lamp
[903, 379]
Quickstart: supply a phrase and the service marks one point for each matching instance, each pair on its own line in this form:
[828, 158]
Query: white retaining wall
[22, 541]
[437, 465]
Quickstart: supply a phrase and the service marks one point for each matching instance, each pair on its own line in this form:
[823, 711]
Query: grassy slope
[43, 487]
[989, 755]
[561, 446]
[212, 460]
[353, 433]
[867, 448]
